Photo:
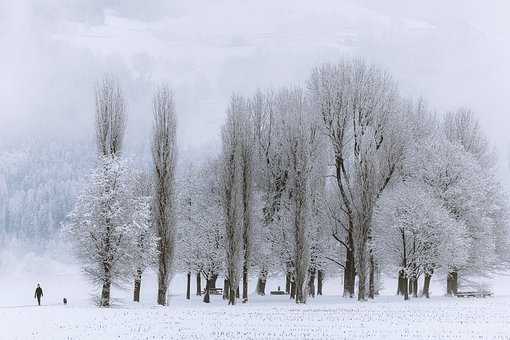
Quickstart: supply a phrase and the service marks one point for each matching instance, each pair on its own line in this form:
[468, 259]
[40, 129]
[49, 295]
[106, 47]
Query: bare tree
[301, 140]
[355, 102]
[246, 158]
[236, 180]
[164, 153]
[268, 112]
[110, 117]
[230, 194]
[329, 86]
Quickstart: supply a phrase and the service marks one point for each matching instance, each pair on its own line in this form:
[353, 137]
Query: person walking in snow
[38, 294]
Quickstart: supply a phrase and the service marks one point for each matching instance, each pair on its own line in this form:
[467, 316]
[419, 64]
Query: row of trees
[347, 174]
[341, 176]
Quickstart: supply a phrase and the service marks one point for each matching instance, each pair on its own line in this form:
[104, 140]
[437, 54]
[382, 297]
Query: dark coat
[38, 292]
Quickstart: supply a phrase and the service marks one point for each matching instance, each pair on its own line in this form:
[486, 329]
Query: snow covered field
[324, 318]
[270, 317]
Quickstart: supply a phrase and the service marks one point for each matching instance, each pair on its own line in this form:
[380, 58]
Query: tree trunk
[138, 285]
[452, 283]
[246, 188]
[105, 294]
[292, 289]
[349, 269]
[162, 288]
[320, 279]
[455, 283]
[371, 277]
[107, 283]
[311, 283]
[377, 280]
[245, 283]
[361, 287]
[403, 273]
[188, 286]
[414, 286]
[261, 283]
[237, 292]
[163, 273]
[406, 288]
[299, 286]
[162, 279]
[214, 278]
[232, 294]
[426, 285]
[207, 296]
[199, 284]
[287, 283]
[401, 279]
[362, 272]
[226, 289]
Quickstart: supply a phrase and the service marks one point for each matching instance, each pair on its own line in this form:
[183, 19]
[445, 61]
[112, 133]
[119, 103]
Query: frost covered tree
[98, 220]
[145, 246]
[247, 201]
[189, 253]
[100, 226]
[456, 180]
[110, 117]
[201, 245]
[264, 259]
[320, 237]
[356, 103]
[461, 127]
[270, 180]
[110, 225]
[483, 206]
[164, 154]
[300, 139]
[449, 170]
[414, 235]
[287, 137]
[231, 193]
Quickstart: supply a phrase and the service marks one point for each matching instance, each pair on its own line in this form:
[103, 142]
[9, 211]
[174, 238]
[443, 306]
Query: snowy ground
[270, 317]
[267, 318]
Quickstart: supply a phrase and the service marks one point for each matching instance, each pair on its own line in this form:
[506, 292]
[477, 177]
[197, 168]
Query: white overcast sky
[453, 53]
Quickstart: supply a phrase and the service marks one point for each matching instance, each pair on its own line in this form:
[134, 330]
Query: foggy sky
[452, 53]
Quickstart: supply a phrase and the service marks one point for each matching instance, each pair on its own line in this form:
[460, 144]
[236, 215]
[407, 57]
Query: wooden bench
[278, 292]
[214, 291]
[478, 294]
